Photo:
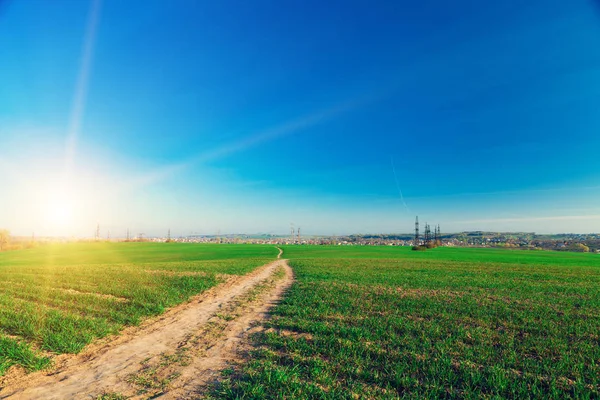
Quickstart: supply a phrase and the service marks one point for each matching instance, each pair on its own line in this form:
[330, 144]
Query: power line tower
[298, 234]
[128, 237]
[169, 235]
[292, 232]
[417, 231]
[97, 237]
[108, 236]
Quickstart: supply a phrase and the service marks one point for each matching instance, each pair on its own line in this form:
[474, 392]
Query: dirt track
[173, 356]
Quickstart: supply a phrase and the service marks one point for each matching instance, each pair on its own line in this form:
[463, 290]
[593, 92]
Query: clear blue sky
[245, 116]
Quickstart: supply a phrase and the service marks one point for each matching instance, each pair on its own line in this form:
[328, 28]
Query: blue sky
[339, 116]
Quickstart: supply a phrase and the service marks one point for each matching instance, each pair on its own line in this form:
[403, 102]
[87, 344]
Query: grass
[116, 253]
[59, 298]
[443, 254]
[111, 396]
[492, 324]
[359, 322]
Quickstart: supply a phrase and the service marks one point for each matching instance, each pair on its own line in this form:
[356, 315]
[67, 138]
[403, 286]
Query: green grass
[427, 326]
[111, 253]
[476, 255]
[59, 298]
[359, 322]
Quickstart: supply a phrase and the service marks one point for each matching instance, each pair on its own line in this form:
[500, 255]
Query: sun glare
[60, 210]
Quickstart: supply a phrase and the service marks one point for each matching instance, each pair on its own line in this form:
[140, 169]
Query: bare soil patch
[94, 294]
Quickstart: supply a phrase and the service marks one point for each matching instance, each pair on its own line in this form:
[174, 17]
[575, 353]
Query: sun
[60, 210]
[60, 213]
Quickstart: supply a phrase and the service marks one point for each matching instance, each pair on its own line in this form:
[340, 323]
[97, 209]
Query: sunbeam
[81, 87]
[285, 129]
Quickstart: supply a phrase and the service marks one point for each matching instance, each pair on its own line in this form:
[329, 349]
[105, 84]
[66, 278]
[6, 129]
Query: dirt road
[173, 356]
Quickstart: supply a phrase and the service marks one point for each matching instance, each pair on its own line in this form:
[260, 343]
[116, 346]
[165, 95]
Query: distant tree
[4, 238]
[579, 247]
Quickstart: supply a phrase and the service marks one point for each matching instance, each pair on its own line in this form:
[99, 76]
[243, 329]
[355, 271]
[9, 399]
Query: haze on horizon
[340, 117]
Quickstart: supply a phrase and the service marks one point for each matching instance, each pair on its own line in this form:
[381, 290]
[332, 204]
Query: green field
[384, 322]
[107, 253]
[58, 298]
[359, 322]
[474, 255]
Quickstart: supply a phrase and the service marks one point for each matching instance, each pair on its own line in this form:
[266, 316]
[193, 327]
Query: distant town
[517, 240]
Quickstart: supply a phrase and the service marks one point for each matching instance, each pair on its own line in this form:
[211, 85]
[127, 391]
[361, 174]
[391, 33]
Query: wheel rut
[173, 356]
